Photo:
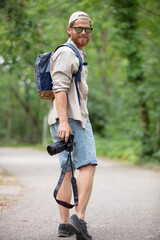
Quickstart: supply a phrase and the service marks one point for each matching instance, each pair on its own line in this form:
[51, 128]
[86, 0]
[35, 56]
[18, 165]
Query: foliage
[126, 18]
[123, 60]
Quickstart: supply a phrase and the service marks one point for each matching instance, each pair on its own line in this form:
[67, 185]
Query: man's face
[80, 39]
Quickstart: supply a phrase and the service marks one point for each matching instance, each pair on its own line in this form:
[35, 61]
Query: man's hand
[63, 131]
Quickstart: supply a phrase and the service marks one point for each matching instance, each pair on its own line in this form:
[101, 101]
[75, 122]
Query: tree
[123, 61]
[126, 19]
[18, 34]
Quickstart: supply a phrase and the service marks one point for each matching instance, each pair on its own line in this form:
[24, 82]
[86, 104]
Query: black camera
[61, 146]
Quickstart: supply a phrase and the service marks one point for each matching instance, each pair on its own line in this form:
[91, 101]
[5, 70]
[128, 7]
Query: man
[69, 116]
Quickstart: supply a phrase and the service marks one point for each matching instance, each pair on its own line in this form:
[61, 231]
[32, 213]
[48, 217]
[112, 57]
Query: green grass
[126, 151]
[118, 148]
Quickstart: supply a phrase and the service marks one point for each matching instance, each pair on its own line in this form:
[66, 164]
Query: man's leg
[76, 224]
[84, 184]
[65, 193]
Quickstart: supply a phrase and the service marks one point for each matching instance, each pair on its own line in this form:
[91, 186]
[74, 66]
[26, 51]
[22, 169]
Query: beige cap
[79, 15]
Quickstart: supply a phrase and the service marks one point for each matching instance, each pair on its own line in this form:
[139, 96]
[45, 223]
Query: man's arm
[61, 104]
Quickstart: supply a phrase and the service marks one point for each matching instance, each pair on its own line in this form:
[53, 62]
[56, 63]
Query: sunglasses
[80, 29]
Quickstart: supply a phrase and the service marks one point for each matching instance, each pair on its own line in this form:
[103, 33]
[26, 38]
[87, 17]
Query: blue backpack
[42, 73]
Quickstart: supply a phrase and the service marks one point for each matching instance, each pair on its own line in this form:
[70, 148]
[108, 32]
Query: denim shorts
[85, 152]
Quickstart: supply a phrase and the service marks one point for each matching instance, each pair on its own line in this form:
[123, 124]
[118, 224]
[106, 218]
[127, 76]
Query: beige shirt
[65, 63]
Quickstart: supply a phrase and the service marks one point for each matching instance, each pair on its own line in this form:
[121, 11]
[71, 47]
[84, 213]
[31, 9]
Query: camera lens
[56, 148]
[51, 150]
[61, 146]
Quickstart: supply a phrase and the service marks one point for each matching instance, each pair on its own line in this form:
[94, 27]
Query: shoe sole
[73, 228]
[63, 234]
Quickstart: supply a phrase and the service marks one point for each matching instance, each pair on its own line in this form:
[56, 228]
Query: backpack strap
[78, 74]
[73, 182]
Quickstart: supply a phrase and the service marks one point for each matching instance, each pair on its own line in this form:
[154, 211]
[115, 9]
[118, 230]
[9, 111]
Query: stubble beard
[82, 42]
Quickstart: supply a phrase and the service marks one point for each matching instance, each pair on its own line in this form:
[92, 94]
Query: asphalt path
[125, 202]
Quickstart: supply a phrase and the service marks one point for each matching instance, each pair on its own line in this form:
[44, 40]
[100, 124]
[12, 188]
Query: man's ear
[68, 30]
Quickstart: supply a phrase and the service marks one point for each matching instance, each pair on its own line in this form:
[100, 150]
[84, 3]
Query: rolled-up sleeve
[64, 63]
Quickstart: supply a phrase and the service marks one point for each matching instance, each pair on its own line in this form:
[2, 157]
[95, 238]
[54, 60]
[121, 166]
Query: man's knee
[90, 168]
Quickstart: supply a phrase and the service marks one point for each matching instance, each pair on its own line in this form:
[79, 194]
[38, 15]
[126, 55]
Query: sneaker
[79, 227]
[63, 231]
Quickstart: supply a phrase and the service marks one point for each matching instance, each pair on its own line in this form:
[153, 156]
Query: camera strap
[73, 182]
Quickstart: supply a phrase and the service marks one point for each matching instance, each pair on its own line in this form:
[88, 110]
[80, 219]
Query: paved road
[125, 204]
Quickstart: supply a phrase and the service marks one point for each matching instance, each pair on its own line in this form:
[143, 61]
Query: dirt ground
[10, 189]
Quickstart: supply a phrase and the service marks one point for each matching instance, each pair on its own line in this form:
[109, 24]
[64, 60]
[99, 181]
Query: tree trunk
[127, 27]
[33, 122]
[9, 117]
[44, 132]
